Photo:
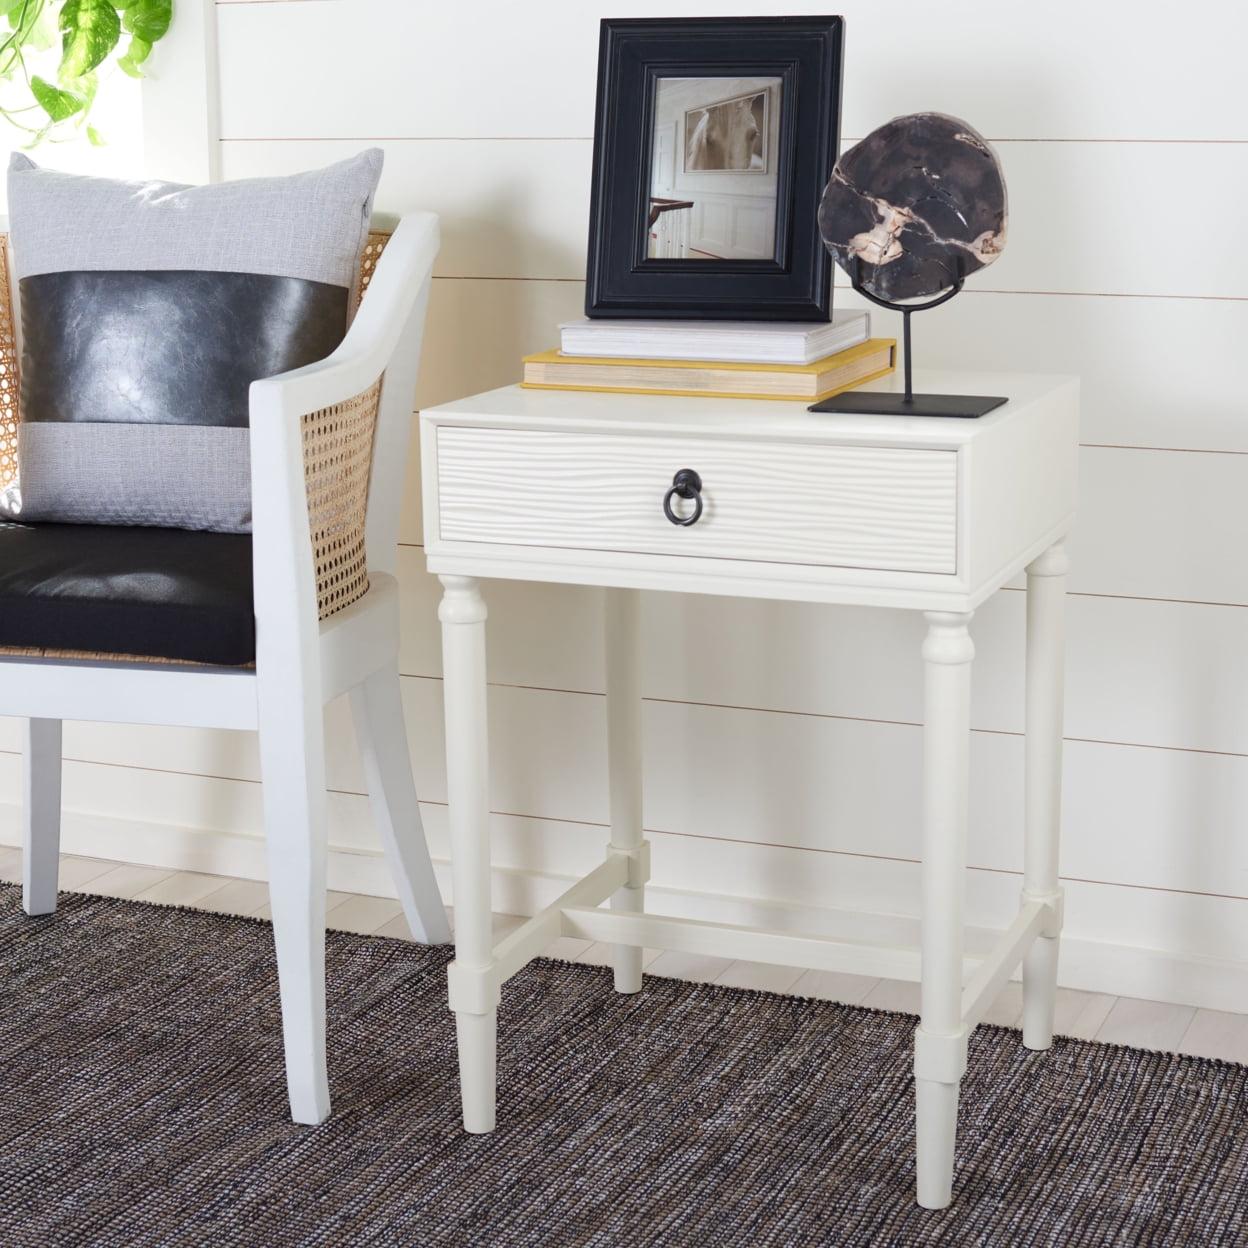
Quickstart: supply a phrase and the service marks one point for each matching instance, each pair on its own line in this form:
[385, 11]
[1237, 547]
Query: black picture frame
[806, 54]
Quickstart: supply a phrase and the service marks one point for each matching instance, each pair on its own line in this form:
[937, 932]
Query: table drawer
[779, 502]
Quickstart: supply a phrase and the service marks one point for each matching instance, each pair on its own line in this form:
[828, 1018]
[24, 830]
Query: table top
[517, 406]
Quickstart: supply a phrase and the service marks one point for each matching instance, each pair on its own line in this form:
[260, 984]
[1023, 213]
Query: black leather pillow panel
[163, 593]
[168, 348]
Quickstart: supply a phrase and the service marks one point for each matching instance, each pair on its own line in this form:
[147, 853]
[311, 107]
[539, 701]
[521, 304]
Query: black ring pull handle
[686, 484]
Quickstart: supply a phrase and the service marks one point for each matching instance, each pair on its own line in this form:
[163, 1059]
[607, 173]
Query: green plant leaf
[58, 104]
[138, 51]
[33, 26]
[148, 19]
[17, 12]
[43, 33]
[90, 30]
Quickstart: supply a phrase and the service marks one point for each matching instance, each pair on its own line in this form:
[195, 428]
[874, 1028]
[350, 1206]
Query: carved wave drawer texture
[822, 505]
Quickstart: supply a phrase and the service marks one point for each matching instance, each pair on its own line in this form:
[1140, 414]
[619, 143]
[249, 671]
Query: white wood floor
[1084, 1015]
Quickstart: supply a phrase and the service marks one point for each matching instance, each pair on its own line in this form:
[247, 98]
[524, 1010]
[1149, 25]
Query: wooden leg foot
[477, 1036]
[627, 958]
[936, 1116]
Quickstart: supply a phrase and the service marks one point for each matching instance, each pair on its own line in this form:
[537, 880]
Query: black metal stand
[887, 403]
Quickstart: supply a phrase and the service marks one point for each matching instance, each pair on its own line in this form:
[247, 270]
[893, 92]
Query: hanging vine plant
[89, 32]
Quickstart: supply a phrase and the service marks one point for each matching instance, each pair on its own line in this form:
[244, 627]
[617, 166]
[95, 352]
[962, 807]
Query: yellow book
[806, 383]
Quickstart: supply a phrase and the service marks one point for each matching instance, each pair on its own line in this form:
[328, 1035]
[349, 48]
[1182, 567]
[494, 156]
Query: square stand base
[864, 403]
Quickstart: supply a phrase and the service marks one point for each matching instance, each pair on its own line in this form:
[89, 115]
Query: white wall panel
[1160, 524]
[1168, 373]
[479, 330]
[494, 68]
[1059, 242]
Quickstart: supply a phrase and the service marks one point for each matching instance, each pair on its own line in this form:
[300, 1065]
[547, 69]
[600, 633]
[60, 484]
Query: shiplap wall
[782, 741]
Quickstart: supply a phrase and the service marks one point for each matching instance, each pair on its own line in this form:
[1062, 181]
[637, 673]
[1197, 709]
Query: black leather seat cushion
[164, 593]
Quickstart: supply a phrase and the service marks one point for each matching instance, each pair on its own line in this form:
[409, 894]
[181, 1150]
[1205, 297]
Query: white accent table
[930, 515]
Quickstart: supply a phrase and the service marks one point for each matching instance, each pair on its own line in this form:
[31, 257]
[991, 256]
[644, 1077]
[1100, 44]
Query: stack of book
[804, 361]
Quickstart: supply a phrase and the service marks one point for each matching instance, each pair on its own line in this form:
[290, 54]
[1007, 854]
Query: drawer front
[837, 506]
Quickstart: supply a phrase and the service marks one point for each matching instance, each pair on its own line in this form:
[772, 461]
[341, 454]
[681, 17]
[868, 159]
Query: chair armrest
[312, 432]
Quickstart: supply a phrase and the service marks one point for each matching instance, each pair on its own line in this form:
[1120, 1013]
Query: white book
[752, 342]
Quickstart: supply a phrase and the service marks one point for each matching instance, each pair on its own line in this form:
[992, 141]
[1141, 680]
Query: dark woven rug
[144, 1104]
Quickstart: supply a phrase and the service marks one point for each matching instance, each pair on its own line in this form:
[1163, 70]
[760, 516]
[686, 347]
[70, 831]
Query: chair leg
[292, 762]
[381, 734]
[41, 820]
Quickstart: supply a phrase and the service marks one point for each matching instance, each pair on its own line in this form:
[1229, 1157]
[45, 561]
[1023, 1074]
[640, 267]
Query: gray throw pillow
[147, 311]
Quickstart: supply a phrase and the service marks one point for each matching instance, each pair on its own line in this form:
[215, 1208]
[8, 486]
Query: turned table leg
[473, 993]
[1046, 592]
[940, 1041]
[624, 760]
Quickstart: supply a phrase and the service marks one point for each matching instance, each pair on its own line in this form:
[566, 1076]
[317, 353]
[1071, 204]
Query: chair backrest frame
[396, 417]
[10, 351]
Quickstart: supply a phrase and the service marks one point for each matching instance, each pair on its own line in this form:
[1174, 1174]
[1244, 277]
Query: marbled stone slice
[917, 204]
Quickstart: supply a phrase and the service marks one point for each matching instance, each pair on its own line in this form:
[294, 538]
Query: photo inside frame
[713, 183]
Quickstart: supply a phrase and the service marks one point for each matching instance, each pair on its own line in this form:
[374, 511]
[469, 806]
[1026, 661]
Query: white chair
[328, 455]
